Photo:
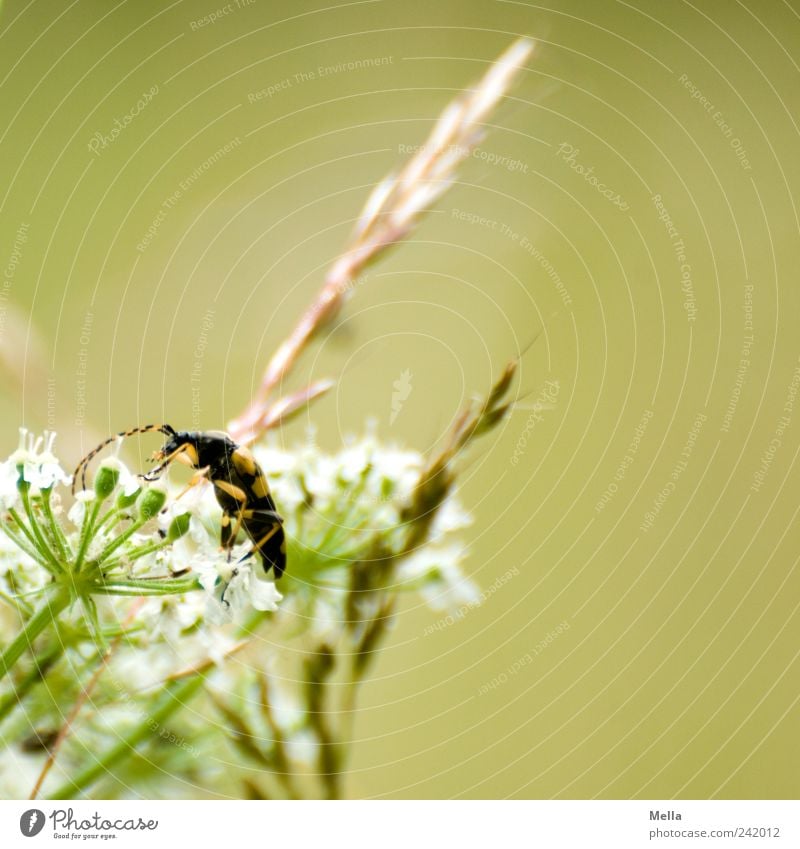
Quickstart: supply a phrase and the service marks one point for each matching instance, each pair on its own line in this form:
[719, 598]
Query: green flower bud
[151, 502]
[387, 488]
[178, 527]
[22, 484]
[125, 501]
[106, 480]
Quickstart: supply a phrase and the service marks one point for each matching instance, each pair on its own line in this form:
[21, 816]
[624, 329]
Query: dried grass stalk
[392, 211]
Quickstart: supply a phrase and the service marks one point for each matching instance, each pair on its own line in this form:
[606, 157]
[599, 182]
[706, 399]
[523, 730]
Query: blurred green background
[149, 272]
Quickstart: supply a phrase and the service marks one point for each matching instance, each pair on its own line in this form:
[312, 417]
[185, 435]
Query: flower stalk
[175, 695]
[392, 211]
[47, 613]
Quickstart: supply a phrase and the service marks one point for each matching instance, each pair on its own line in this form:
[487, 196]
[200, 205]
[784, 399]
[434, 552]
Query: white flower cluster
[337, 504]
[35, 465]
[33, 462]
[231, 582]
[337, 507]
[334, 505]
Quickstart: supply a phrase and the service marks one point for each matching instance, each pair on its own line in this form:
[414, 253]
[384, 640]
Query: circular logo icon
[31, 822]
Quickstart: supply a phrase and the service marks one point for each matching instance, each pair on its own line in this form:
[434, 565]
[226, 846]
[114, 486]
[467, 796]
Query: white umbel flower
[40, 468]
[436, 570]
[232, 589]
[77, 512]
[9, 475]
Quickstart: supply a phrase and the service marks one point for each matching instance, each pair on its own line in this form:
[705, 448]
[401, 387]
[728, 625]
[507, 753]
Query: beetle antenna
[82, 467]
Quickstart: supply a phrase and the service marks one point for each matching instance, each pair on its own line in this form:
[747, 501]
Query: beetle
[240, 486]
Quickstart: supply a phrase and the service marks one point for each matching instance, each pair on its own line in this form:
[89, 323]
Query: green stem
[135, 554]
[17, 603]
[114, 515]
[55, 528]
[336, 526]
[86, 533]
[160, 586]
[348, 711]
[118, 541]
[44, 616]
[41, 666]
[31, 550]
[41, 543]
[173, 697]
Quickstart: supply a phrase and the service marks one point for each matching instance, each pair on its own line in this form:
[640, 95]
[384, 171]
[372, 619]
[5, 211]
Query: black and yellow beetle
[239, 485]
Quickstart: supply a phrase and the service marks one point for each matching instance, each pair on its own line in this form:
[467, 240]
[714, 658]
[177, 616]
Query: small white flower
[354, 461]
[40, 468]
[98, 544]
[9, 475]
[303, 747]
[396, 470]
[320, 476]
[442, 583]
[450, 517]
[274, 462]
[167, 617]
[149, 664]
[232, 588]
[288, 492]
[19, 572]
[285, 704]
[216, 644]
[25, 449]
[77, 512]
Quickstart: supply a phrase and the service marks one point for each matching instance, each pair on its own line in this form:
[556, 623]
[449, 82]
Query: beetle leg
[244, 513]
[222, 600]
[197, 478]
[270, 533]
[271, 547]
[226, 535]
[238, 526]
[153, 474]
